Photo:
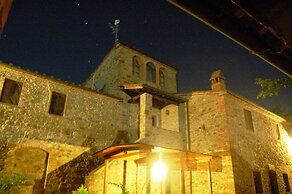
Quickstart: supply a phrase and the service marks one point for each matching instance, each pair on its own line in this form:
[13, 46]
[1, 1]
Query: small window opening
[286, 183]
[273, 182]
[161, 78]
[136, 67]
[154, 121]
[248, 120]
[57, 103]
[258, 182]
[278, 135]
[11, 92]
[167, 112]
[151, 72]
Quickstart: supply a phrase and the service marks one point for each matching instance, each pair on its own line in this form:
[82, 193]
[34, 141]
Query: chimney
[217, 81]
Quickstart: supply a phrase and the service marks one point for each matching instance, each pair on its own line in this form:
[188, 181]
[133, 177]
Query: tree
[272, 87]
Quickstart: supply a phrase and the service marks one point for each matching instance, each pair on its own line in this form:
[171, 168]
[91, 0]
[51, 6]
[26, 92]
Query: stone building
[109, 133]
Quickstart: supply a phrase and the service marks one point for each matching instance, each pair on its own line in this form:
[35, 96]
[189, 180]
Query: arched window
[151, 72]
[161, 77]
[136, 67]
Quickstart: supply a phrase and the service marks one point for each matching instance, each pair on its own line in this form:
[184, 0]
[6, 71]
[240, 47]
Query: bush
[82, 190]
[9, 181]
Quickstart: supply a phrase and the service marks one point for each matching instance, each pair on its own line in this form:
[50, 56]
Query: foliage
[272, 87]
[82, 190]
[121, 186]
[9, 181]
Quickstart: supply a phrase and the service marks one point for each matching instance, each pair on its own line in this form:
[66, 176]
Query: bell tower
[217, 81]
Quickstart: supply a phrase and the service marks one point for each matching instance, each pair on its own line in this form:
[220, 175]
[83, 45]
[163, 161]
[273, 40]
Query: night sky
[67, 39]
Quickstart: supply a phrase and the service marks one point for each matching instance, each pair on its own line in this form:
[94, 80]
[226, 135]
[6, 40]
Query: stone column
[182, 124]
[145, 114]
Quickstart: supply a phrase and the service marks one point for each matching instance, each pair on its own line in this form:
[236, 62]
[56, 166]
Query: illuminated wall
[262, 149]
[117, 69]
[89, 119]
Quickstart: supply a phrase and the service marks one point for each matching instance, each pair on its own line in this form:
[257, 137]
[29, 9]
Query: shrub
[9, 181]
[82, 190]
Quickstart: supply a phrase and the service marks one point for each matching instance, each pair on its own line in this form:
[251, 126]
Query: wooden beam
[165, 100]
[125, 174]
[137, 177]
[105, 177]
[131, 86]
[128, 155]
[210, 177]
[135, 98]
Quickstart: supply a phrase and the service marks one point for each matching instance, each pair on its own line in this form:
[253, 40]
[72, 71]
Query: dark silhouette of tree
[272, 87]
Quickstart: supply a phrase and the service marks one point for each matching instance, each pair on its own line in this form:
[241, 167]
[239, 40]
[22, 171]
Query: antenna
[115, 29]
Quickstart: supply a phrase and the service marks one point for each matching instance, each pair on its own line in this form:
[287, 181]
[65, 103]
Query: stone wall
[208, 123]
[209, 134]
[126, 55]
[116, 70]
[90, 119]
[170, 117]
[156, 135]
[107, 71]
[260, 149]
[114, 178]
[86, 115]
[36, 159]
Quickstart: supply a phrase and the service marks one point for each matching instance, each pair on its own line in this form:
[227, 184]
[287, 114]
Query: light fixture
[159, 169]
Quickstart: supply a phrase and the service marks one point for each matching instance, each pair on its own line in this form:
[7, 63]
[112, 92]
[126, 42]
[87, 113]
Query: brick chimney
[217, 81]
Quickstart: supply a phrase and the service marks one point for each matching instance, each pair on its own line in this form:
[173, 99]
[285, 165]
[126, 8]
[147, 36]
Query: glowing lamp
[159, 170]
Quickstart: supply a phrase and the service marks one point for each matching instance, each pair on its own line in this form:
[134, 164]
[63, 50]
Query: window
[161, 78]
[57, 103]
[167, 112]
[11, 92]
[278, 135]
[258, 182]
[151, 72]
[248, 120]
[136, 67]
[273, 182]
[286, 182]
[154, 121]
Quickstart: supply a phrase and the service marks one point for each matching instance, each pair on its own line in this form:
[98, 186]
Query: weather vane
[115, 29]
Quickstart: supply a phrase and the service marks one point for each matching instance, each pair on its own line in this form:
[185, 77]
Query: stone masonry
[131, 98]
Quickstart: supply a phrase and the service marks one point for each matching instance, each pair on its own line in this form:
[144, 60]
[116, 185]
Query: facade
[110, 132]
[253, 143]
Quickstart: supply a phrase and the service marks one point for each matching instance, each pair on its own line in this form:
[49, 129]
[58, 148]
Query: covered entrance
[141, 168]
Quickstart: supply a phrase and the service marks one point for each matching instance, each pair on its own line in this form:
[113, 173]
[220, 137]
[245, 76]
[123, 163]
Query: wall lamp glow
[159, 169]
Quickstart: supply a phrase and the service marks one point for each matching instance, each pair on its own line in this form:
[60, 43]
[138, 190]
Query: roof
[237, 96]
[262, 109]
[135, 90]
[52, 79]
[144, 153]
[263, 27]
